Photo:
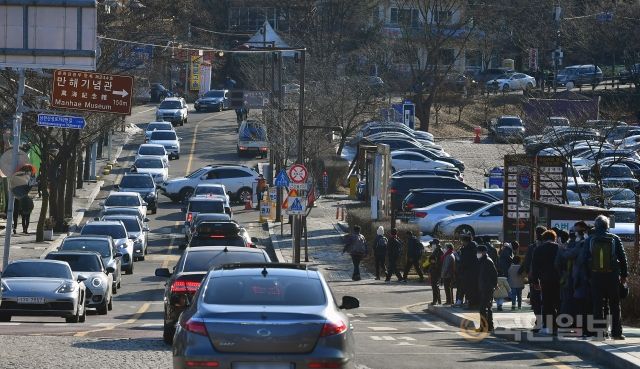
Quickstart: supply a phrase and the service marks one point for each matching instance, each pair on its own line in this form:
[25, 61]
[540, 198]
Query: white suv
[239, 180]
[174, 110]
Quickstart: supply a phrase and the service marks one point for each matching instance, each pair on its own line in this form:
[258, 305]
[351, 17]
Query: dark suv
[401, 186]
[579, 75]
[424, 197]
[221, 233]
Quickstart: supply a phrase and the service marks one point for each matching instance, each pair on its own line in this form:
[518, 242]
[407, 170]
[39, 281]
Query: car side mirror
[144, 203]
[118, 255]
[110, 270]
[81, 278]
[163, 272]
[146, 220]
[116, 186]
[254, 239]
[349, 302]
[96, 218]
[132, 237]
[145, 228]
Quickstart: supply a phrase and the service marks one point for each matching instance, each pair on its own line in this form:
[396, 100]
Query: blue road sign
[282, 179]
[61, 121]
[296, 205]
[409, 114]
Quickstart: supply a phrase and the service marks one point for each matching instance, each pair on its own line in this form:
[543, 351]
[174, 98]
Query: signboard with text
[79, 90]
[551, 181]
[60, 121]
[518, 191]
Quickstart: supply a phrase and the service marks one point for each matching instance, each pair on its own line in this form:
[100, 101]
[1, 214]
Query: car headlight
[3, 287]
[177, 113]
[96, 282]
[67, 287]
[174, 146]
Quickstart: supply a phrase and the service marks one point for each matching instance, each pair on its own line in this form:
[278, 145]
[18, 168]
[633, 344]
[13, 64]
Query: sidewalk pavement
[516, 325]
[24, 246]
[324, 241]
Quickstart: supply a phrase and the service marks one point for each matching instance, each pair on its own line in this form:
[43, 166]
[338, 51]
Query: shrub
[337, 169]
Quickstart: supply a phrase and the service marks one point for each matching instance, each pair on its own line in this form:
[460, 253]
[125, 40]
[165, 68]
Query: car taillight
[202, 364]
[333, 328]
[189, 217]
[195, 326]
[409, 205]
[420, 214]
[393, 190]
[180, 286]
[324, 365]
[216, 236]
[242, 147]
[263, 149]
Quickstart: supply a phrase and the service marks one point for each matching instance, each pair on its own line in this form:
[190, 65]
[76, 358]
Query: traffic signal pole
[297, 220]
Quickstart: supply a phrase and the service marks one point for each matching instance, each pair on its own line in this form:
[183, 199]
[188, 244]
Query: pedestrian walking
[564, 263]
[468, 272]
[435, 269]
[414, 254]
[380, 252]
[448, 272]
[546, 279]
[356, 246]
[394, 251]
[516, 283]
[534, 292]
[260, 188]
[501, 292]
[505, 259]
[608, 270]
[485, 284]
[26, 207]
[16, 213]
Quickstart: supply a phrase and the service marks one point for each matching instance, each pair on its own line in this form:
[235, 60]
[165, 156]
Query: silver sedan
[36, 287]
[429, 216]
[275, 316]
[486, 221]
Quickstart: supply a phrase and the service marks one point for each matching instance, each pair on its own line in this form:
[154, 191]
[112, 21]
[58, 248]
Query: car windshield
[159, 127]
[170, 105]
[266, 290]
[79, 263]
[214, 93]
[217, 241]
[115, 200]
[625, 216]
[149, 163]
[152, 150]
[113, 230]
[209, 190]
[101, 247]
[206, 207]
[253, 132]
[142, 181]
[616, 172]
[38, 270]
[509, 122]
[568, 71]
[620, 194]
[198, 261]
[164, 135]
[124, 211]
[131, 224]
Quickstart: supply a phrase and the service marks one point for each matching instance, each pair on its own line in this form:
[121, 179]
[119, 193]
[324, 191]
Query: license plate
[262, 366]
[30, 300]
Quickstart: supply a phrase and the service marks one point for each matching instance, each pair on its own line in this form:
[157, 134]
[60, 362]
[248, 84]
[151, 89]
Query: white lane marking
[55, 324]
[103, 324]
[359, 315]
[405, 309]
[382, 329]
[432, 328]
[406, 338]
[144, 111]
[9, 324]
[158, 325]
[382, 338]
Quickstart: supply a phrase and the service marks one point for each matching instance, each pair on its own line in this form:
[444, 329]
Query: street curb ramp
[600, 352]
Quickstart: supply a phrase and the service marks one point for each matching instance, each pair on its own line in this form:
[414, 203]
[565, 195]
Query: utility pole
[557, 53]
[17, 126]
[279, 157]
[298, 218]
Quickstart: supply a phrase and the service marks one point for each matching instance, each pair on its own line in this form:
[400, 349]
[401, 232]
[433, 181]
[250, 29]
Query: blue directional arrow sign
[61, 121]
[282, 179]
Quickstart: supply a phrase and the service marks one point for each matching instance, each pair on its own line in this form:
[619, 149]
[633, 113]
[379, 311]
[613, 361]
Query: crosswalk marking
[382, 338]
[382, 329]
[359, 315]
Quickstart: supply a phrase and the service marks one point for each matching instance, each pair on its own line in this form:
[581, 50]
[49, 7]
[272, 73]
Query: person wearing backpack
[607, 263]
[414, 254]
[394, 252]
[380, 252]
[356, 246]
[435, 269]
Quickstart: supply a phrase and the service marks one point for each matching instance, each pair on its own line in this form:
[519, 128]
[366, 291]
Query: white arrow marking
[122, 93]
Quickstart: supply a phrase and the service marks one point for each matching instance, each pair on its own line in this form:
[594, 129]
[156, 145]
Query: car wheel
[103, 308]
[506, 88]
[130, 269]
[177, 156]
[4, 318]
[110, 305]
[74, 318]
[141, 258]
[244, 194]
[186, 193]
[167, 333]
[529, 87]
[114, 288]
[464, 230]
[154, 210]
[120, 282]
[220, 107]
[83, 316]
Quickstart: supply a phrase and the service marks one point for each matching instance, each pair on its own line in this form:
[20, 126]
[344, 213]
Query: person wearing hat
[435, 269]
[414, 254]
[380, 252]
[467, 272]
[505, 259]
[486, 284]
[546, 279]
[448, 272]
[394, 252]
[534, 292]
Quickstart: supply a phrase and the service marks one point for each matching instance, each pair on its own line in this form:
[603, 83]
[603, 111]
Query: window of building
[405, 17]
[442, 16]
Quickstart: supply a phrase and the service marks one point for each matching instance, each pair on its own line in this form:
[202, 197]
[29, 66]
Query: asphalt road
[391, 329]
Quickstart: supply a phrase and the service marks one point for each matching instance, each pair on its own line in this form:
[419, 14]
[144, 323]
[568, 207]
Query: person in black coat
[394, 252]
[414, 254]
[546, 279]
[486, 284]
[534, 292]
[505, 259]
[468, 271]
[435, 268]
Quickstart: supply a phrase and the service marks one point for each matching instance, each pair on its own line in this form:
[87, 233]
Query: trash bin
[353, 184]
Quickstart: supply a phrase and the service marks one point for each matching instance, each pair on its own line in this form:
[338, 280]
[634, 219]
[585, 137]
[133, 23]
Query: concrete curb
[277, 243]
[601, 352]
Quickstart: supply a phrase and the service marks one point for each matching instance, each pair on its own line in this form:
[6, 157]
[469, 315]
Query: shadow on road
[134, 344]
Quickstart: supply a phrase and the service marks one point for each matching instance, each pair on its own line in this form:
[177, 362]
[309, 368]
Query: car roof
[88, 237]
[210, 217]
[217, 185]
[509, 116]
[210, 198]
[105, 222]
[172, 99]
[120, 216]
[135, 174]
[74, 252]
[20, 261]
[222, 248]
[150, 145]
[160, 121]
[276, 269]
[123, 193]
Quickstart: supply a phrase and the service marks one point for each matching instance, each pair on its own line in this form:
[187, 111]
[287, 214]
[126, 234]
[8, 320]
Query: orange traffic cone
[477, 131]
[248, 205]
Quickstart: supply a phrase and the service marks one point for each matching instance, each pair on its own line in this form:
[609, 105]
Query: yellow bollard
[353, 184]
